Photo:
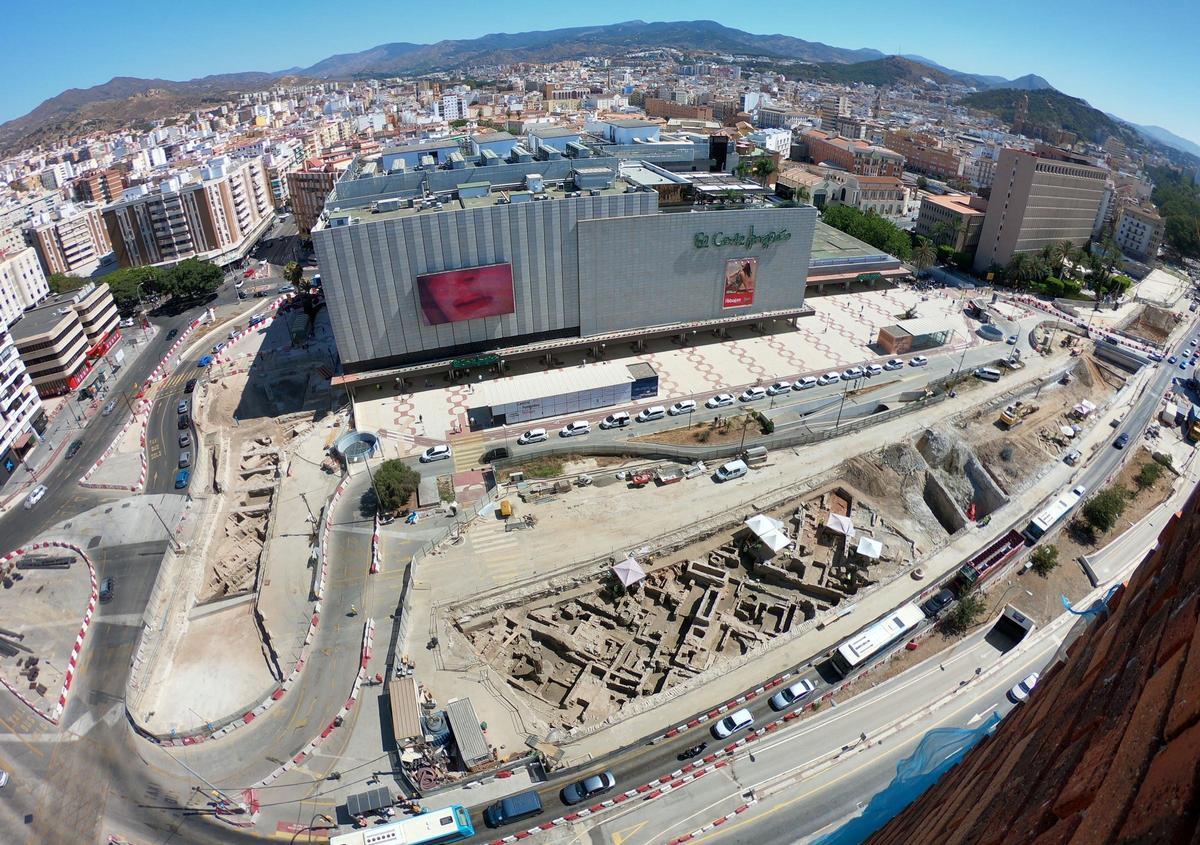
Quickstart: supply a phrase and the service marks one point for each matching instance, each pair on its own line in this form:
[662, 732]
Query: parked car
[205, 361]
[829, 378]
[736, 721]
[3, 778]
[185, 439]
[435, 453]
[184, 421]
[172, 333]
[684, 407]
[1122, 441]
[183, 407]
[109, 408]
[654, 412]
[731, 470]
[1012, 340]
[1072, 457]
[257, 318]
[1173, 360]
[190, 386]
[789, 695]
[587, 788]
[1021, 691]
[75, 446]
[127, 323]
[218, 346]
[35, 496]
[804, 383]
[936, 603]
[182, 478]
[617, 419]
[872, 370]
[523, 805]
[575, 429]
[108, 588]
[852, 373]
[894, 364]
[778, 387]
[753, 394]
[534, 435]
[918, 361]
[721, 400]
[185, 459]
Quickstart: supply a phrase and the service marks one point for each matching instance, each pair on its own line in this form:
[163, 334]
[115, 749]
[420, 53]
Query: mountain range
[129, 99]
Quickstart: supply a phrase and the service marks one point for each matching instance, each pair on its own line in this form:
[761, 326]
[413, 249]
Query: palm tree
[762, 168]
[1024, 269]
[923, 256]
[1061, 253]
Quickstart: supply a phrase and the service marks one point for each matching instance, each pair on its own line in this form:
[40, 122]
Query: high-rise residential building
[1139, 231]
[311, 186]
[217, 216]
[924, 154]
[833, 107]
[71, 240]
[22, 283]
[856, 156]
[21, 414]
[102, 186]
[1038, 200]
[60, 341]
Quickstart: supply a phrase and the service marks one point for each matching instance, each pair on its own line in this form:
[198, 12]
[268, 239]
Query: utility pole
[216, 792]
[170, 535]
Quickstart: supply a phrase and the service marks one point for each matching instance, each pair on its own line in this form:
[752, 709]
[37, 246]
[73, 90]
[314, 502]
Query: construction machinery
[1015, 414]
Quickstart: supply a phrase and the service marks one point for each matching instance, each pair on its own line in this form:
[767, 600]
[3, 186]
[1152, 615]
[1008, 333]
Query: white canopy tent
[869, 547]
[840, 524]
[769, 532]
[629, 571]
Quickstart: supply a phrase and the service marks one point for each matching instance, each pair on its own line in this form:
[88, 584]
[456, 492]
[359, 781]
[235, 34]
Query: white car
[109, 408]
[574, 429]
[829, 378]
[3, 778]
[1021, 691]
[779, 387]
[894, 364]
[654, 412]
[619, 419]
[918, 361]
[35, 495]
[684, 407]
[852, 373]
[736, 721]
[873, 370]
[127, 323]
[534, 435]
[753, 394]
[721, 400]
[804, 383]
[435, 453]
[789, 695]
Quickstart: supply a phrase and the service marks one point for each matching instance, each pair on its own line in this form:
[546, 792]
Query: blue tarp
[939, 751]
[1097, 606]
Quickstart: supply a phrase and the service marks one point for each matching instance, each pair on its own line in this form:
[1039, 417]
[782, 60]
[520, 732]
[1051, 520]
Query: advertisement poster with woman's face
[740, 277]
[466, 294]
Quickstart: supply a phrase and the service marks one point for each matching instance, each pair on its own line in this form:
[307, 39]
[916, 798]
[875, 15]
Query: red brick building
[924, 154]
[854, 155]
[1105, 750]
[658, 107]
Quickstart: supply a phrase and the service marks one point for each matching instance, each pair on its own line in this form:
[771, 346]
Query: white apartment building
[71, 240]
[21, 280]
[22, 283]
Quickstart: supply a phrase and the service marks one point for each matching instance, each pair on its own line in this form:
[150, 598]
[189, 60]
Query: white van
[988, 374]
[574, 429]
[654, 412]
[731, 470]
[618, 419]
[753, 394]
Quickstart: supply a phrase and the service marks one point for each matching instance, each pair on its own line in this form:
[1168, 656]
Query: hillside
[1054, 109]
[889, 70]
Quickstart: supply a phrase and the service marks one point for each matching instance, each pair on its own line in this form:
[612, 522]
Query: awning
[769, 531]
[22, 441]
[629, 572]
[840, 524]
[406, 712]
[869, 547]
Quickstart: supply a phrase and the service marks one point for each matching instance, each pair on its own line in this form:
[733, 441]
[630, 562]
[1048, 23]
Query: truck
[988, 562]
[1015, 414]
[668, 475]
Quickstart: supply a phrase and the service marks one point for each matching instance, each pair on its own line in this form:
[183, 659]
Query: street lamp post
[311, 826]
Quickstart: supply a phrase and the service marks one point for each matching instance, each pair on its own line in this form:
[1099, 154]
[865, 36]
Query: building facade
[100, 186]
[924, 154]
[22, 283]
[61, 341]
[854, 156]
[21, 414]
[953, 219]
[72, 240]
[1139, 231]
[1038, 201]
[309, 188]
[217, 216]
[657, 107]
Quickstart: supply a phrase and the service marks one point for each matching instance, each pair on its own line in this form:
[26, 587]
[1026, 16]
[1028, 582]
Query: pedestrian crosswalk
[468, 450]
[499, 552]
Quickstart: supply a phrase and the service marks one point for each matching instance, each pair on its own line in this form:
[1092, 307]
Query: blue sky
[1140, 61]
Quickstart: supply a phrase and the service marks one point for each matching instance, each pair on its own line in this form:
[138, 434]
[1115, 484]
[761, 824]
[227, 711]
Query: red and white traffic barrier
[54, 714]
[376, 548]
[715, 823]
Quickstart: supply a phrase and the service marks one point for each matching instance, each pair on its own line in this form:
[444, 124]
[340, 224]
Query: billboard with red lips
[466, 294]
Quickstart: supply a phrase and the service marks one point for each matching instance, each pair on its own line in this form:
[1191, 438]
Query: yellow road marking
[620, 836]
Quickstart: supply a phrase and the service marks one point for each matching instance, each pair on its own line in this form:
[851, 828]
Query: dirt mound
[902, 458]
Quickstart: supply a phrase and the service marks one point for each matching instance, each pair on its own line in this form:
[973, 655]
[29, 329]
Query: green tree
[192, 279]
[1044, 559]
[1150, 472]
[1062, 253]
[923, 255]
[803, 194]
[62, 283]
[1024, 269]
[966, 613]
[922, 183]
[395, 483]
[762, 168]
[1104, 509]
[871, 228]
[293, 273]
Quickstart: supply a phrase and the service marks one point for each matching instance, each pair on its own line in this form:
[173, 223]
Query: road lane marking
[620, 836]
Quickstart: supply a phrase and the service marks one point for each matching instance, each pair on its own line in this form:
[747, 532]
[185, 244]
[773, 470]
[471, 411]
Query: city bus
[448, 824]
[1053, 514]
[869, 642]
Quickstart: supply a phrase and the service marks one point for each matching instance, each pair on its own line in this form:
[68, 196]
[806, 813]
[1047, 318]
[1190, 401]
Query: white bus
[448, 824]
[1058, 509]
[870, 641]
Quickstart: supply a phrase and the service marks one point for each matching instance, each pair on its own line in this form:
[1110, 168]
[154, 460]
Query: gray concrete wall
[649, 271]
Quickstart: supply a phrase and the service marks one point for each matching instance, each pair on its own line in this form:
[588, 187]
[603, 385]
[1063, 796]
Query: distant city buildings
[71, 240]
[855, 156]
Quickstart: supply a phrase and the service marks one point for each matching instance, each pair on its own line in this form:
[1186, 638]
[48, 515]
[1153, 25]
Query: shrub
[1163, 458]
[1148, 474]
[395, 482]
[1104, 509]
[1044, 559]
[966, 613]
